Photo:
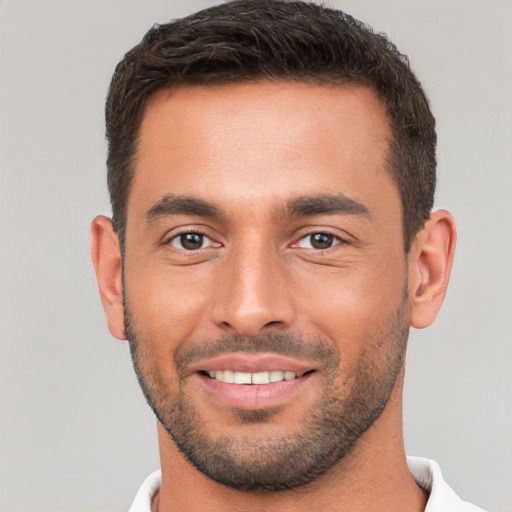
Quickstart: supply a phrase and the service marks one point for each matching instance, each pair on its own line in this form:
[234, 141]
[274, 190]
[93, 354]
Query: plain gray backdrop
[76, 434]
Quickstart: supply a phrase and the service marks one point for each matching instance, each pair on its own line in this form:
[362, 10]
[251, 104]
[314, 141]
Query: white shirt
[425, 472]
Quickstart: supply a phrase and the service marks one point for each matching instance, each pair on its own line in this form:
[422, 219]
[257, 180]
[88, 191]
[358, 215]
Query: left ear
[430, 265]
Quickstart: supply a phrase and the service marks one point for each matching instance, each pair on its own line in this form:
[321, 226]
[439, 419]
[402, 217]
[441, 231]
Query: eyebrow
[181, 205]
[326, 204]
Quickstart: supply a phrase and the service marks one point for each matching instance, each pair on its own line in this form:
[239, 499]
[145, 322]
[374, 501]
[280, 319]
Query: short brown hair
[249, 40]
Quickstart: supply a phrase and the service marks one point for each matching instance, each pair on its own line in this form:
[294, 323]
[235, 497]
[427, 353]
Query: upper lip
[252, 363]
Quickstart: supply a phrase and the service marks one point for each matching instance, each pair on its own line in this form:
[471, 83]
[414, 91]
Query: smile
[254, 381]
[265, 377]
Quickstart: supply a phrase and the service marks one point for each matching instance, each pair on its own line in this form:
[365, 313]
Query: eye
[191, 241]
[318, 241]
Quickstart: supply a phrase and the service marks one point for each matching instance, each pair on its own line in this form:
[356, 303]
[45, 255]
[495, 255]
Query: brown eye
[319, 241]
[189, 241]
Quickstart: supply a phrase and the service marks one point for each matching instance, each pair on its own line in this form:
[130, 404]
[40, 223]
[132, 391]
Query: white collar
[425, 472]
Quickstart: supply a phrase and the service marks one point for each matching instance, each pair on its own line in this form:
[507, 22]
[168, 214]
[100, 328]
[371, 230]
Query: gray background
[76, 434]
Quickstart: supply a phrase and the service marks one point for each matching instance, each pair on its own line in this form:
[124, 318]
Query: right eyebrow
[170, 204]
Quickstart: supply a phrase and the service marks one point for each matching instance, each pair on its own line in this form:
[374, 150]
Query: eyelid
[178, 232]
[336, 241]
[339, 238]
[175, 240]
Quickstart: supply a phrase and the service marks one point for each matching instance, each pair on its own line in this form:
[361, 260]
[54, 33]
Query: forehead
[261, 141]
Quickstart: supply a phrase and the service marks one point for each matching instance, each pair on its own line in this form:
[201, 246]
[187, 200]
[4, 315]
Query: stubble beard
[337, 419]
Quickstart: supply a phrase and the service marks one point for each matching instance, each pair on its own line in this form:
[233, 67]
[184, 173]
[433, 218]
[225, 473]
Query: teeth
[276, 376]
[239, 377]
[227, 376]
[260, 378]
[231, 377]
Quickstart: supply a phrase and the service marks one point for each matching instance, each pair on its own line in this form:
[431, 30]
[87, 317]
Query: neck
[373, 477]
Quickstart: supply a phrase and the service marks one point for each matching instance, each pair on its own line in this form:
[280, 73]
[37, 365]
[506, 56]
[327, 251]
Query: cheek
[166, 303]
[351, 305]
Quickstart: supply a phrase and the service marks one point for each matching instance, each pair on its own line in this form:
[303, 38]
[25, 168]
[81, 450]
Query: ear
[430, 264]
[106, 257]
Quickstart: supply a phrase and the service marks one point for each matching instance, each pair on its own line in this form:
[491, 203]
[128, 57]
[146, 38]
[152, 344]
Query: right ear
[106, 257]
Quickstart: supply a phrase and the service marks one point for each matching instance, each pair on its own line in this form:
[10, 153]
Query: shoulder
[443, 498]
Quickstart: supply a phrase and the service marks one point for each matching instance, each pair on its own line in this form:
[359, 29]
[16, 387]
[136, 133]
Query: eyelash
[336, 240]
[177, 236]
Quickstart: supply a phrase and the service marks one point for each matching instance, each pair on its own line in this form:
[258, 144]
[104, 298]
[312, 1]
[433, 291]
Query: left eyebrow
[325, 204]
[182, 205]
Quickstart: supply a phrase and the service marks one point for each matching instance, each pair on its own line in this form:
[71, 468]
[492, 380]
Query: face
[264, 276]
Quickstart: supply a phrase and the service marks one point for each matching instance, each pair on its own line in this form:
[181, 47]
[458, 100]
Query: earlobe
[106, 258]
[430, 263]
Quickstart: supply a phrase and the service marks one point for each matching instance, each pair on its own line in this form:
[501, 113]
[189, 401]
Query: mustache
[275, 343]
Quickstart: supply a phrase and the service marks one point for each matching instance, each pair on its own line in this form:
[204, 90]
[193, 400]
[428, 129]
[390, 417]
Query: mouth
[248, 381]
[256, 378]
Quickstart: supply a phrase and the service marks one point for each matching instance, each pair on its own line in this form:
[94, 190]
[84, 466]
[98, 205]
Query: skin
[249, 149]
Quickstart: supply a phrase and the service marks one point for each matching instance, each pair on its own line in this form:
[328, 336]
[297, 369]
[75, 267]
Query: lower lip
[254, 396]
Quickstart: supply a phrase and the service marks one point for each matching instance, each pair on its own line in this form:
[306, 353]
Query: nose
[253, 294]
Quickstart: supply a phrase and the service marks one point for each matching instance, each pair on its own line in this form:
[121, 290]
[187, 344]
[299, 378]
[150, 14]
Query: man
[271, 169]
